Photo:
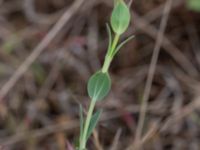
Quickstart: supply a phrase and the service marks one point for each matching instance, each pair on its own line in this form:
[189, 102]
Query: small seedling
[99, 83]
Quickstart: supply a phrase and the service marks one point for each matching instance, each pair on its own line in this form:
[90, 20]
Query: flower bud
[120, 18]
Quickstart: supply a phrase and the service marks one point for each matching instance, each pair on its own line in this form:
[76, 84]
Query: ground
[50, 48]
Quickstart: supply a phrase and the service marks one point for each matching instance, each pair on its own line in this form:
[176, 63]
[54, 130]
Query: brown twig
[96, 140]
[38, 18]
[174, 119]
[168, 46]
[41, 46]
[115, 143]
[151, 73]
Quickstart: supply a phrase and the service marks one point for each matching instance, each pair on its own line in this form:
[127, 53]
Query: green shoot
[99, 84]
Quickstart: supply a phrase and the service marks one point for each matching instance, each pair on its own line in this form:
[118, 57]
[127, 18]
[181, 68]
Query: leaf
[120, 17]
[194, 5]
[122, 44]
[81, 122]
[99, 85]
[93, 123]
[110, 37]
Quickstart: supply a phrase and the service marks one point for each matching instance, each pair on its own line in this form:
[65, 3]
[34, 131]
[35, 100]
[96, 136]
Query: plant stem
[106, 64]
[109, 55]
[105, 68]
[114, 44]
[86, 125]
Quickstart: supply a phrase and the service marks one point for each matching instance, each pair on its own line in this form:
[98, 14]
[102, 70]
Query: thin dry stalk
[151, 73]
[38, 50]
[96, 140]
[116, 140]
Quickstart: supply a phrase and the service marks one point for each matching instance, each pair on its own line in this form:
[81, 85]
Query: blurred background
[49, 49]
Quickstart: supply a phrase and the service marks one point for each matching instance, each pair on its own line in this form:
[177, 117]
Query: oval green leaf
[120, 17]
[98, 86]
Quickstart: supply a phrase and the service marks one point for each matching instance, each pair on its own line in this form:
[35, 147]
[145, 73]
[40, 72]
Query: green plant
[194, 5]
[100, 83]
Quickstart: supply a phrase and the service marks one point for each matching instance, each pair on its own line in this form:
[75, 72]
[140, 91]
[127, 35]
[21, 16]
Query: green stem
[86, 126]
[109, 55]
[114, 44]
[106, 64]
